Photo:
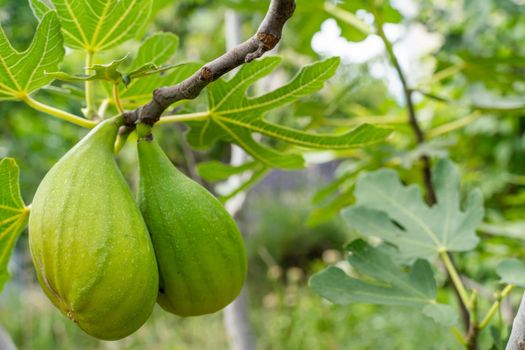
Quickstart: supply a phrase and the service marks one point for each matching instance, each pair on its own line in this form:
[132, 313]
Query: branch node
[269, 40]
[256, 54]
[206, 74]
[159, 96]
[130, 118]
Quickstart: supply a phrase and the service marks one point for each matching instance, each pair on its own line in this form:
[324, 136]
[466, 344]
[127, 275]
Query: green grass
[34, 323]
[286, 317]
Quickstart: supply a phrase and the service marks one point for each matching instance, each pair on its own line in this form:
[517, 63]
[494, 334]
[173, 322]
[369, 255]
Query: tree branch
[414, 124]
[6, 342]
[426, 167]
[517, 335]
[266, 38]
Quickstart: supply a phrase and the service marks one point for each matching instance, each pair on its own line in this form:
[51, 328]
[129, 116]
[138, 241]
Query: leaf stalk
[179, 118]
[58, 113]
[456, 280]
[88, 86]
[495, 306]
[116, 98]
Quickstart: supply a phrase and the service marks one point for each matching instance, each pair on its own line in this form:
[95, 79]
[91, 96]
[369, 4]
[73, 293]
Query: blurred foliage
[278, 234]
[469, 102]
[284, 317]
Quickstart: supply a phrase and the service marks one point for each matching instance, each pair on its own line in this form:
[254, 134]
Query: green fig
[90, 246]
[200, 251]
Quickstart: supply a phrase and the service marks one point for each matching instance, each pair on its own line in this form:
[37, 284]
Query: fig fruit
[89, 243]
[200, 251]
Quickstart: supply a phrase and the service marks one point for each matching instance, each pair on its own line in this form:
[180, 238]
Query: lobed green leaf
[384, 282]
[13, 214]
[398, 214]
[22, 73]
[97, 25]
[235, 117]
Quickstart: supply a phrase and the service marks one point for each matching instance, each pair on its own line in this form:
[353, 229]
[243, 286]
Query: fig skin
[200, 251]
[89, 243]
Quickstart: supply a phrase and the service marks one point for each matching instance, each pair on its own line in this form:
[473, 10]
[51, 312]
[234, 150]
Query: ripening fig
[200, 251]
[90, 246]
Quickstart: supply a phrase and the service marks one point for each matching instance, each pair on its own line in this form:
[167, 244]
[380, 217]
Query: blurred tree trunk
[6, 343]
[236, 320]
[517, 336]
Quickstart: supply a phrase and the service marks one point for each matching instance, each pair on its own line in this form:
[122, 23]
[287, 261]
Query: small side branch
[414, 124]
[425, 160]
[266, 38]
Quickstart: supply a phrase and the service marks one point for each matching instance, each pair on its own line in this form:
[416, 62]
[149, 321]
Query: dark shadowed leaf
[383, 282]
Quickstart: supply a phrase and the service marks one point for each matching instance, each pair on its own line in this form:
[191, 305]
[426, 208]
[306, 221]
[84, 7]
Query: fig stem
[121, 140]
[144, 132]
[118, 120]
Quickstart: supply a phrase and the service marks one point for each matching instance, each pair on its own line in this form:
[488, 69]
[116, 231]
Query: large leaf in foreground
[21, 73]
[13, 214]
[97, 25]
[235, 117]
[385, 282]
[398, 214]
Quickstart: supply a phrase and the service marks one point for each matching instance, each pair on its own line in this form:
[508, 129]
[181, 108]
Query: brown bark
[266, 38]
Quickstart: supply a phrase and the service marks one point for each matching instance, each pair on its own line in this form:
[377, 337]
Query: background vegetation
[464, 62]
